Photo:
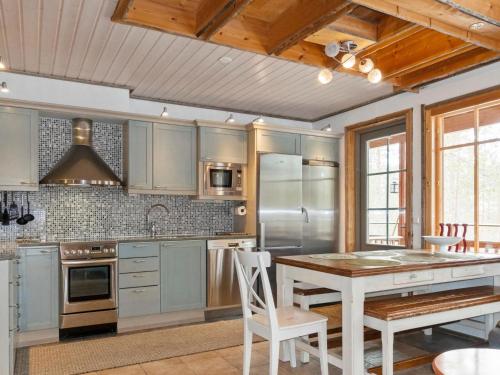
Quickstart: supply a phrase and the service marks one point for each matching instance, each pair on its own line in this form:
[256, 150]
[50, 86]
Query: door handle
[139, 290]
[138, 276]
[139, 261]
[304, 211]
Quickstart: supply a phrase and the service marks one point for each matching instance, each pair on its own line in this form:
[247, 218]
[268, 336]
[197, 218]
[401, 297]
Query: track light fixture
[230, 119]
[164, 113]
[259, 120]
[4, 87]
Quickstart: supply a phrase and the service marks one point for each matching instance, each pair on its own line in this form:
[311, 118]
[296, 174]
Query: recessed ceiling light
[226, 60]
[477, 26]
[4, 87]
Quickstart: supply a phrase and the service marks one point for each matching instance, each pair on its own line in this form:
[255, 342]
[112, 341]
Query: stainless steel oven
[88, 285]
[222, 180]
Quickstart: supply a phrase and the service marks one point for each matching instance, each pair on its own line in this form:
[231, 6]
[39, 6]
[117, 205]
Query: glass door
[382, 188]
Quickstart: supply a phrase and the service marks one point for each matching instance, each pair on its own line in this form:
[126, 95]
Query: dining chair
[261, 317]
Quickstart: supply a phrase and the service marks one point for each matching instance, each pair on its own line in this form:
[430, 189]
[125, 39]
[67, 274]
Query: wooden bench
[397, 314]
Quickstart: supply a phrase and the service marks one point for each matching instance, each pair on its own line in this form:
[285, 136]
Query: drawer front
[139, 301]
[139, 265]
[133, 280]
[413, 277]
[467, 271]
[139, 250]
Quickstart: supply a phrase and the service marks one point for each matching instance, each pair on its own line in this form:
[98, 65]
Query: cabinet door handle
[139, 246]
[27, 183]
[138, 276]
[160, 187]
[46, 251]
[139, 290]
[139, 261]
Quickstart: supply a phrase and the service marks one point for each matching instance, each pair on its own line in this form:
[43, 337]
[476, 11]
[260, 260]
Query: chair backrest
[249, 265]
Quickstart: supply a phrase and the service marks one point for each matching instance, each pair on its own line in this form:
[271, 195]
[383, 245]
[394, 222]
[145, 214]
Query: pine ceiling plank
[91, 12]
[327, 35]
[194, 53]
[302, 19]
[155, 75]
[355, 26]
[146, 46]
[160, 15]
[129, 47]
[485, 10]
[31, 32]
[12, 19]
[110, 52]
[198, 74]
[426, 14]
[50, 18]
[70, 19]
[4, 53]
[443, 69]
[215, 14]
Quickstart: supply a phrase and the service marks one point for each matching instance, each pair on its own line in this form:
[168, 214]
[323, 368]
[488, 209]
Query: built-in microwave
[222, 180]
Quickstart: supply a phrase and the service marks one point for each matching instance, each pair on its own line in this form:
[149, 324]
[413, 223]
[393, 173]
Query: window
[467, 173]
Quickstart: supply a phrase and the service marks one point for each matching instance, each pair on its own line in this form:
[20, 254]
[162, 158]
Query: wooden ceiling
[412, 42]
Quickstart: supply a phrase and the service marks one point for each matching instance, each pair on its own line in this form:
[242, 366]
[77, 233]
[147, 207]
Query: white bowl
[442, 241]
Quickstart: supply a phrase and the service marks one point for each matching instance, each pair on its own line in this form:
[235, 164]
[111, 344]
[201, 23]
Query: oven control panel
[88, 250]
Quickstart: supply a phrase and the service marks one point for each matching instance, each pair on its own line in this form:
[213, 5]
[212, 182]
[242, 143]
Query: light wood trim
[431, 141]
[351, 134]
[486, 10]
[303, 19]
[469, 100]
[438, 22]
[220, 124]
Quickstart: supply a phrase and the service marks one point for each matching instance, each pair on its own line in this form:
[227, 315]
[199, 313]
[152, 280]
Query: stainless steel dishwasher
[222, 284]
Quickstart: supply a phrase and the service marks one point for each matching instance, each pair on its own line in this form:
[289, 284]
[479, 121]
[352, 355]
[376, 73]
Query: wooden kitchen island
[359, 273]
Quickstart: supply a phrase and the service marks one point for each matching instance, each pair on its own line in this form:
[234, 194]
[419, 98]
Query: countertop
[127, 239]
[7, 250]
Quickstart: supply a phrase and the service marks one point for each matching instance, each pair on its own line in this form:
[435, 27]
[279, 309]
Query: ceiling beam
[418, 51]
[467, 60]
[437, 22]
[302, 19]
[351, 25]
[213, 15]
[484, 10]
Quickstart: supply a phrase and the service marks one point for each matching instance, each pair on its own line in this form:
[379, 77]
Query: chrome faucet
[152, 226]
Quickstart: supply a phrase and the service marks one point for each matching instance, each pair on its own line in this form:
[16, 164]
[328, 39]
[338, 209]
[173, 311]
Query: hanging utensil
[28, 217]
[13, 209]
[5, 215]
[21, 220]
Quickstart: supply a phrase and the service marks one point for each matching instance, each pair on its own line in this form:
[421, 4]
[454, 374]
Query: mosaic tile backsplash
[99, 212]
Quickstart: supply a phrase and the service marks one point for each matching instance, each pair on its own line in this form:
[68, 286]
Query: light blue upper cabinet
[38, 289]
[183, 275]
[278, 142]
[174, 159]
[319, 148]
[223, 145]
[138, 155]
[19, 145]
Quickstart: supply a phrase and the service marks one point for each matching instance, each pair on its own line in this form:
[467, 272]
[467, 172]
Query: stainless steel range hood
[81, 166]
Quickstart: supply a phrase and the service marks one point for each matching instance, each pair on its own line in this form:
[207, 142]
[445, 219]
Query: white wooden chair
[262, 318]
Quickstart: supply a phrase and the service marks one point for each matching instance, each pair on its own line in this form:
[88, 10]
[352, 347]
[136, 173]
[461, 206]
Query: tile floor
[229, 361]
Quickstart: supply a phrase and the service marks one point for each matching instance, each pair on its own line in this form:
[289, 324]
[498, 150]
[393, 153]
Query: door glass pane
[89, 283]
[489, 123]
[377, 227]
[489, 193]
[377, 155]
[397, 152]
[377, 191]
[397, 189]
[458, 129]
[458, 185]
[396, 227]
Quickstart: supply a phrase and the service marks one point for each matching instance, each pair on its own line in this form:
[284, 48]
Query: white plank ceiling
[75, 39]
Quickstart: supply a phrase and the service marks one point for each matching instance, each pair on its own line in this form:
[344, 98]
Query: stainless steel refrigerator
[297, 208]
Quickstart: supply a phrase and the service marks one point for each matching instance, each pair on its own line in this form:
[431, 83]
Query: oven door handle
[88, 261]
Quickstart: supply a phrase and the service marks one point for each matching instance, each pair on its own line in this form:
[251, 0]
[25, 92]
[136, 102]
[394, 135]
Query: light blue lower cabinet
[183, 275]
[139, 301]
[38, 288]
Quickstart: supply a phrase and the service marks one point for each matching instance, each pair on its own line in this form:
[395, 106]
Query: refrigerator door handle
[304, 211]
[262, 238]
[281, 248]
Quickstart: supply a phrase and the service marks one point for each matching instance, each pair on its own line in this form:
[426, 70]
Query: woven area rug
[83, 356]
